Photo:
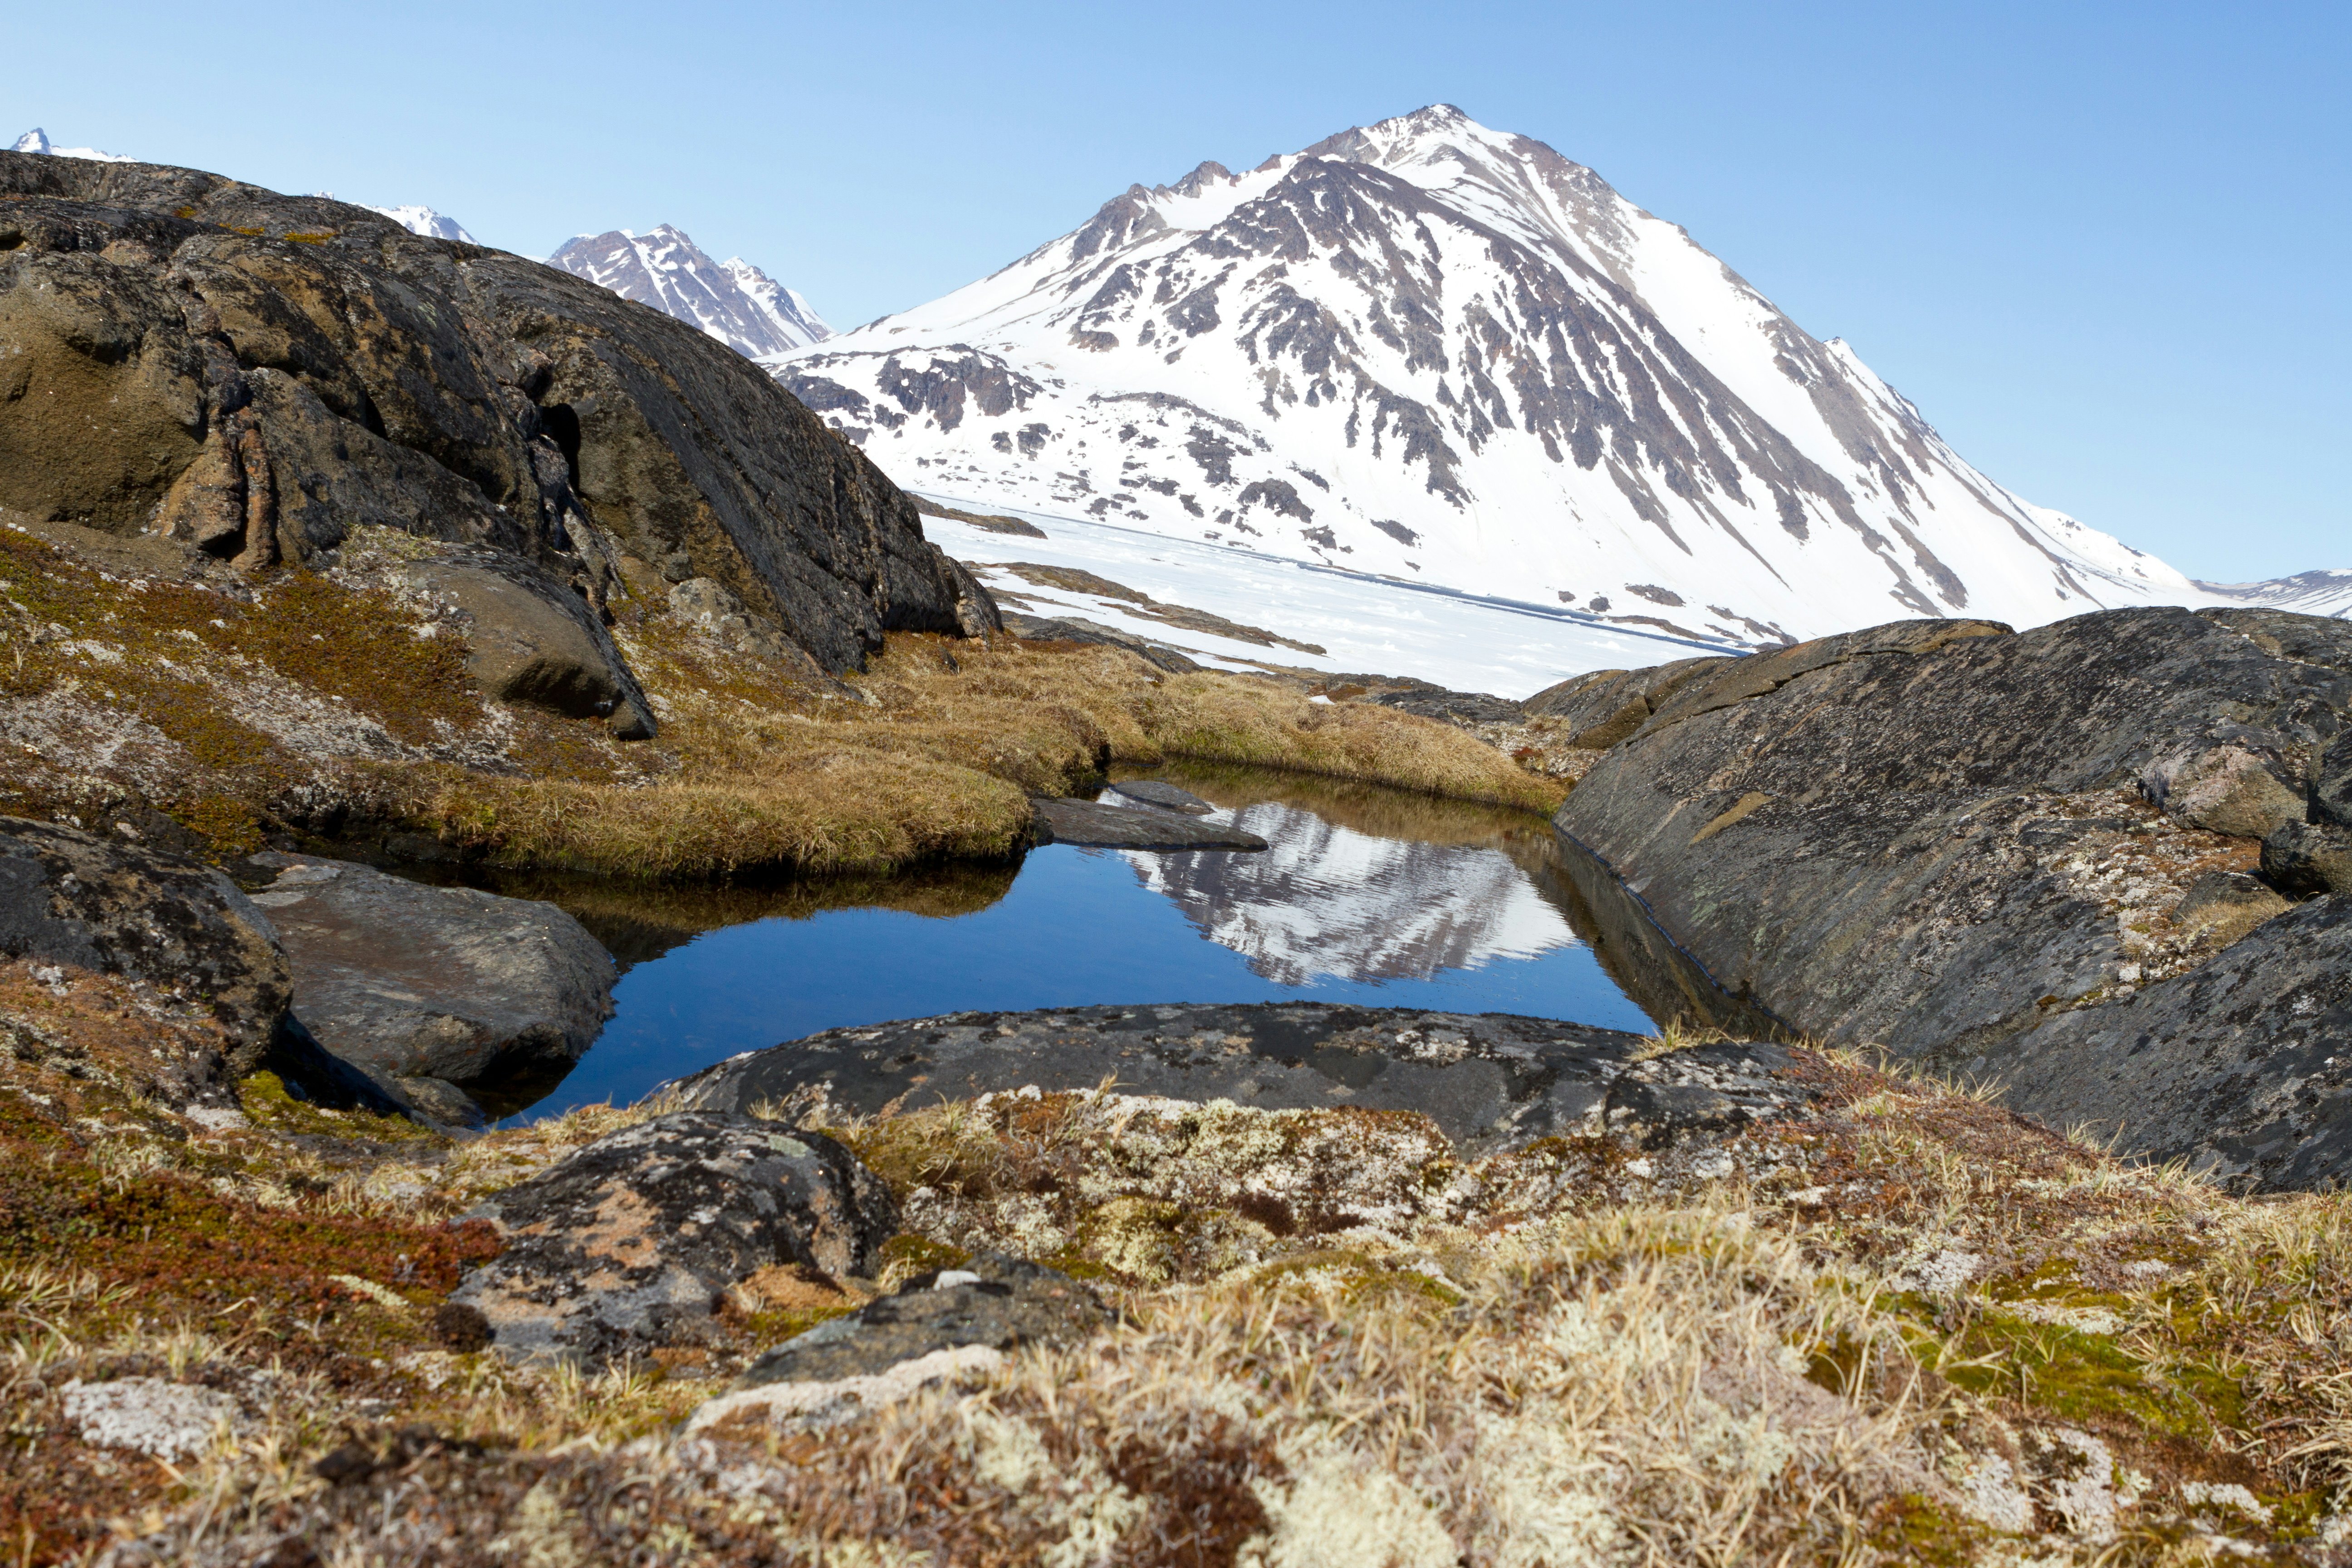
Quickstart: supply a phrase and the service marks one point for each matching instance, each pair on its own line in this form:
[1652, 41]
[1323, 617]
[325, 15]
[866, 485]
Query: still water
[1364, 895]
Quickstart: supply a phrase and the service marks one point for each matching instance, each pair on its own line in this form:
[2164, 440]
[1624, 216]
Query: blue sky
[2105, 249]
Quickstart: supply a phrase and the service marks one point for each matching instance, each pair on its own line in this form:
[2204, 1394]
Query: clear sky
[2105, 249]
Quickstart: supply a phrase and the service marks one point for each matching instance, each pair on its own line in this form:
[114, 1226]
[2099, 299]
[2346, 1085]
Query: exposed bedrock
[2052, 857]
[1487, 1082]
[256, 375]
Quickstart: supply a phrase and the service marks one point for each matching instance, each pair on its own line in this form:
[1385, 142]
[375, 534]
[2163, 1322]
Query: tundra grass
[1915, 1328]
[932, 753]
[294, 703]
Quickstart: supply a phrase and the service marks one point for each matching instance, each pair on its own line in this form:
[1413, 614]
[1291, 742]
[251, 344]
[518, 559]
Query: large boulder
[1487, 1080]
[429, 989]
[1944, 839]
[157, 920]
[629, 1243]
[530, 639]
[257, 374]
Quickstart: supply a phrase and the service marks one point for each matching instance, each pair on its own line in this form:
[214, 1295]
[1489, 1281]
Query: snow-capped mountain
[38, 141]
[426, 222]
[1436, 350]
[733, 301]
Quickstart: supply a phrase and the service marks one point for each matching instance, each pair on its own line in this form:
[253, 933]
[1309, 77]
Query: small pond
[1364, 895]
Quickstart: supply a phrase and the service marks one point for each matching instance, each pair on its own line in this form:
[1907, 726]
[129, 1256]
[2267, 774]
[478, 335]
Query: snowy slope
[38, 141]
[1435, 351]
[2327, 593]
[426, 222]
[1365, 625]
[733, 301]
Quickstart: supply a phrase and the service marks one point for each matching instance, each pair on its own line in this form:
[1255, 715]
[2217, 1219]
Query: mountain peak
[1447, 354]
[423, 220]
[38, 141]
[733, 301]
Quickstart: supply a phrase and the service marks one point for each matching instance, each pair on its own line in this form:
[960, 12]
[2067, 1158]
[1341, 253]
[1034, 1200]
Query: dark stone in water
[1167, 796]
[427, 989]
[1488, 1080]
[1089, 825]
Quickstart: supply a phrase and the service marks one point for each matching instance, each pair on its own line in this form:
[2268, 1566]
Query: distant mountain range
[1440, 352]
[733, 301]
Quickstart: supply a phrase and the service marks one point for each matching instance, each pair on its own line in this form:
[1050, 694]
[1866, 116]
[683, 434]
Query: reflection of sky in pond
[1448, 928]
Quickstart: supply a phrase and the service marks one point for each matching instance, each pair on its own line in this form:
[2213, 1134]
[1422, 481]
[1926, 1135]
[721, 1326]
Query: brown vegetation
[339, 704]
[1913, 1328]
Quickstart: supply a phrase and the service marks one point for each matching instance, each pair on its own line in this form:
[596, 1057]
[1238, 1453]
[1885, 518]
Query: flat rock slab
[156, 919]
[1091, 825]
[1167, 796]
[1488, 1080]
[428, 987]
[629, 1242]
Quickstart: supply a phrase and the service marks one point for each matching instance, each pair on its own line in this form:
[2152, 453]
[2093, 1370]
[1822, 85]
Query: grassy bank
[934, 755]
[212, 711]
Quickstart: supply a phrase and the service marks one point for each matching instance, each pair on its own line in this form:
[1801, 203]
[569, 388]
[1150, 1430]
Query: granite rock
[1945, 839]
[274, 371]
[157, 920]
[937, 1326]
[629, 1243]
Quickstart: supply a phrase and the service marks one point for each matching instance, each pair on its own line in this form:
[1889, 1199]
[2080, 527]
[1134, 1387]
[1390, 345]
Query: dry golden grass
[239, 715]
[1912, 1328]
[937, 762]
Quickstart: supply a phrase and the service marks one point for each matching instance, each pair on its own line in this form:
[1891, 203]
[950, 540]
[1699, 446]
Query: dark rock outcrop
[2241, 1065]
[1136, 827]
[629, 1242]
[156, 919]
[2306, 858]
[1076, 630]
[256, 375]
[1487, 1080]
[1948, 841]
[425, 989]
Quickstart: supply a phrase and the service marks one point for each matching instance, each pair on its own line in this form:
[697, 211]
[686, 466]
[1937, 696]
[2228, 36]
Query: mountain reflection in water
[1326, 901]
[1367, 897]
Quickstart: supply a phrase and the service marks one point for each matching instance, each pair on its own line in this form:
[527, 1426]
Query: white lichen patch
[150, 1415]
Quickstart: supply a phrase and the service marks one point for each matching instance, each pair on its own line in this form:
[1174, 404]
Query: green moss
[268, 1104]
[766, 1330]
[1911, 1529]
